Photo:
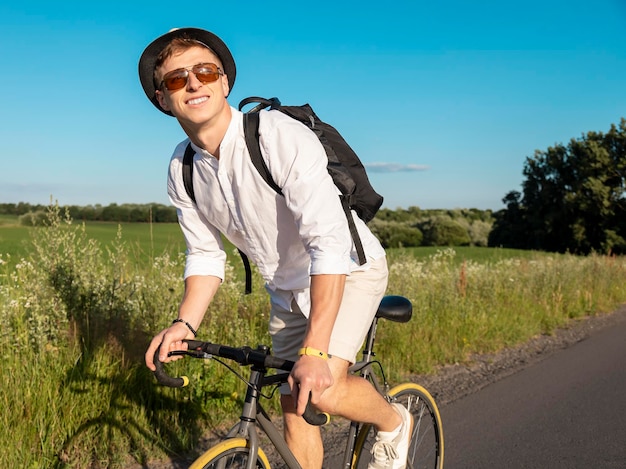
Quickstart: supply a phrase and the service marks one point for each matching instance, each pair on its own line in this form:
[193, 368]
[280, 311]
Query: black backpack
[344, 166]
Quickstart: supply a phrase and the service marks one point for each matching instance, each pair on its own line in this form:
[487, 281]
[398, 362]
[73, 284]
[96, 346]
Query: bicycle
[241, 448]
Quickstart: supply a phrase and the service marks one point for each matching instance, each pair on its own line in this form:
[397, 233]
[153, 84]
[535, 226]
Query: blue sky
[442, 100]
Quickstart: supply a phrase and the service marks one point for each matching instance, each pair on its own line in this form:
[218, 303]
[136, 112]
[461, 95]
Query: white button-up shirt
[290, 237]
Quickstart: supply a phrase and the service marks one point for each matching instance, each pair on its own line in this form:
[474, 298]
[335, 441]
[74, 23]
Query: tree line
[573, 198]
[125, 213]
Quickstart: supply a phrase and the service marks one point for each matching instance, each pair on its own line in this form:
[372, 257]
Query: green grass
[13, 240]
[8, 219]
[465, 253]
[144, 240]
[79, 308]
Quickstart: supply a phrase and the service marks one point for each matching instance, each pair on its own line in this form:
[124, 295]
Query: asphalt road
[567, 411]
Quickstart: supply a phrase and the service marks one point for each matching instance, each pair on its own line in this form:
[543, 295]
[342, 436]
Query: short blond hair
[177, 46]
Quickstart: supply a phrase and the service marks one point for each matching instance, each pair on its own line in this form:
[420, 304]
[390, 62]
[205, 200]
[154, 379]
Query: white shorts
[362, 295]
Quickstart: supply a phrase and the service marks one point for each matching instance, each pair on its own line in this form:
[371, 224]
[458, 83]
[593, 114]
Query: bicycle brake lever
[190, 353]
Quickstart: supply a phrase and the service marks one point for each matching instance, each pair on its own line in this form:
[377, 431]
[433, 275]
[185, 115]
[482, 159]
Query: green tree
[509, 229]
[573, 198]
[164, 214]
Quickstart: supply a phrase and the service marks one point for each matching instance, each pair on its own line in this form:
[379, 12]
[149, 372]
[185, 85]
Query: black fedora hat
[150, 54]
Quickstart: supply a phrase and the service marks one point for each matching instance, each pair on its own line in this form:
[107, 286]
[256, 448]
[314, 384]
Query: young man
[322, 301]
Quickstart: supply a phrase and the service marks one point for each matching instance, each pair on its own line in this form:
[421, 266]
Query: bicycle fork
[253, 414]
[246, 426]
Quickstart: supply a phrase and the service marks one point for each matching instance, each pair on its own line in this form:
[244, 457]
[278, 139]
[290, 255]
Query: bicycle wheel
[231, 453]
[426, 447]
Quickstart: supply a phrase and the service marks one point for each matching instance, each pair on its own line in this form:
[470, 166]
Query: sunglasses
[177, 79]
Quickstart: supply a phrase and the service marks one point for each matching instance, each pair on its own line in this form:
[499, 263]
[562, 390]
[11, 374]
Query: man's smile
[199, 100]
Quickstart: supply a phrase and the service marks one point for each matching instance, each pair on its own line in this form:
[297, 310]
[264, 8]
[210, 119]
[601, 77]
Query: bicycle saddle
[395, 308]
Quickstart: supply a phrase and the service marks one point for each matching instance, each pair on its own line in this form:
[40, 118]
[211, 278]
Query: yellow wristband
[313, 352]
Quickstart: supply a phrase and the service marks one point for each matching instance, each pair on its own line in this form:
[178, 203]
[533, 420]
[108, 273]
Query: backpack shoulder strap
[248, 271]
[251, 131]
[356, 239]
[188, 171]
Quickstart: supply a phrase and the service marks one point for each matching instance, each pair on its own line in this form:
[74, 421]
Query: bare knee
[293, 422]
[332, 399]
[304, 440]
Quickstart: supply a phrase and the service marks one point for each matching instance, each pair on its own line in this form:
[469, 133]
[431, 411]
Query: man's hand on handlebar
[169, 339]
[310, 376]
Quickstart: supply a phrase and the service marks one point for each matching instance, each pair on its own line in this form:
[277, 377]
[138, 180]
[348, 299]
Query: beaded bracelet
[193, 331]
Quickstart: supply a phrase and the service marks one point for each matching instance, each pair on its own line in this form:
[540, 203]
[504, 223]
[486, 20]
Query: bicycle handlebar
[245, 356]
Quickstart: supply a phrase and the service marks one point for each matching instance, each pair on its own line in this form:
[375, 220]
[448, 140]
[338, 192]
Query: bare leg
[352, 398]
[304, 440]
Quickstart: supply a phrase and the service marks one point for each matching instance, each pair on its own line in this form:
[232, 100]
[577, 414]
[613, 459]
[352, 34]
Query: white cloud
[394, 167]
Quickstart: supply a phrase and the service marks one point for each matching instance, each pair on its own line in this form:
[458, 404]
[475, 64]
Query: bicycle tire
[231, 453]
[426, 447]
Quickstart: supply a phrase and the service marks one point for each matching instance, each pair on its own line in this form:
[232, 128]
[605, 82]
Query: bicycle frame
[254, 415]
[245, 434]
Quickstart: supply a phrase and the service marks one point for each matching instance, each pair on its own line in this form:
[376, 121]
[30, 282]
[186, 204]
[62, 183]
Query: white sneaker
[391, 448]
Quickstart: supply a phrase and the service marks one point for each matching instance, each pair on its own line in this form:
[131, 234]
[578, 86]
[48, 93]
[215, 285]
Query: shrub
[395, 234]
[443, 231]
[33, 218]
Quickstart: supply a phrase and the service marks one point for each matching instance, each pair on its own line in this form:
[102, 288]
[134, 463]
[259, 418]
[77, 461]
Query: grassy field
[464, 254]
[79, 303]
[12, 236]
[146, 241]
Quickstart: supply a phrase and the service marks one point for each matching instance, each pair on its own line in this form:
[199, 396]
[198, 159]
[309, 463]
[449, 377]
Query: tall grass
[76, 317]
[474, 307]
[75, 320]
